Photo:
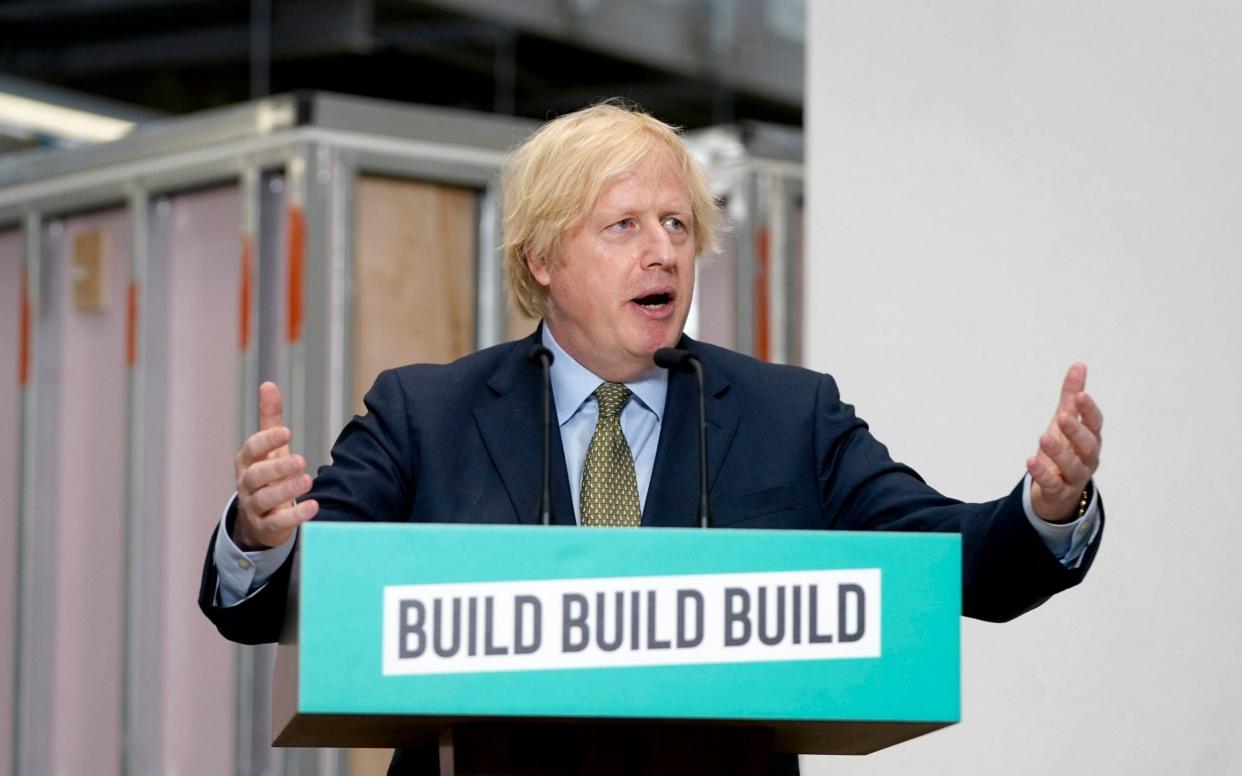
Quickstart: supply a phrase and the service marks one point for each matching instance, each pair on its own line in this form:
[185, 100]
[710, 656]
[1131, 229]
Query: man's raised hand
[1069, 451]
[269, 478]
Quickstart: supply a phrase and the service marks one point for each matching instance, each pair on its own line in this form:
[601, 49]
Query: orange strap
[23, 353]
[763, 344]
[297, 251]
[131, 326]
[247, 285]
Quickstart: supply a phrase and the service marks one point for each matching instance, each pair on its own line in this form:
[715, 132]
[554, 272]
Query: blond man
[605, 214]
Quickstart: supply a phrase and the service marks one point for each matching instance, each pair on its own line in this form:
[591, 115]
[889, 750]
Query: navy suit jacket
[461, 443]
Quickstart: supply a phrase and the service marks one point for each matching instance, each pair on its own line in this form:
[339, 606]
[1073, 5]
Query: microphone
[538, 354]
[676, 360]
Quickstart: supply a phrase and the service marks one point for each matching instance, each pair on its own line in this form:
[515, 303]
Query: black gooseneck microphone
[538, 354]
[673, 359]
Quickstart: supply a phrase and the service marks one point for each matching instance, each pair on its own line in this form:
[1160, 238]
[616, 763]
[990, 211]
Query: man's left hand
[1069, 451]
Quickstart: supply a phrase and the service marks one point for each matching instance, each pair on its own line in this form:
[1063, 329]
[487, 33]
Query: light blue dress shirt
[573, 387]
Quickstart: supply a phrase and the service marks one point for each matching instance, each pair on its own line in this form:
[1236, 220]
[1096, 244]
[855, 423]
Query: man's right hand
[269, 478]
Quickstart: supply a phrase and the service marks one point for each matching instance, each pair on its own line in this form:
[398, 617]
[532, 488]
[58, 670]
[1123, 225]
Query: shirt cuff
[1067, 541]
[241, 574]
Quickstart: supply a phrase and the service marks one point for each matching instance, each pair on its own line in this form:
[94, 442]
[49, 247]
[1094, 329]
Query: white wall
[996, 189]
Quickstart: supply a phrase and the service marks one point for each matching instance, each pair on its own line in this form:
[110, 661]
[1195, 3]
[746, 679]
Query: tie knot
[611, 397]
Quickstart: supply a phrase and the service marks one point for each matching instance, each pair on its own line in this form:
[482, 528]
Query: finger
[279, 493]
[1045, 474]
[290, 517]
[1074, 383]
[1092, 418]
[263, 473]
[1085, 444]
[1073, 471]
[271, 405]
[261, 444]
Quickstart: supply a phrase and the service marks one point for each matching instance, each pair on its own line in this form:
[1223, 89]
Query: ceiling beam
[304, 28]
[728, 42]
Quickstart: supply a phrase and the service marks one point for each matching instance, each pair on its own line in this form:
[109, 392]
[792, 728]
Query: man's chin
[646, 353]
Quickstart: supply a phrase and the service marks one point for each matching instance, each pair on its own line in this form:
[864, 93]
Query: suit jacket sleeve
[371, 478]
[1006, 568]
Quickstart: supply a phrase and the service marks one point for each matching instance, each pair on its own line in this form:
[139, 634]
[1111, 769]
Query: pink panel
[88, 478]
[201, 433]
[10, 409]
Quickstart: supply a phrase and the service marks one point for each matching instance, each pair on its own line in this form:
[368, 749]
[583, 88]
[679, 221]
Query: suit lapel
[673, 495]
[510, 424]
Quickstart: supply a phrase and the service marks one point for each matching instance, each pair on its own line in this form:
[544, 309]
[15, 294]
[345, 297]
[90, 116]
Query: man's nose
[657, 247]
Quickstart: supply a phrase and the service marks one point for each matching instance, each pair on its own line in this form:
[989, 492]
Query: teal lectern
[521, 641]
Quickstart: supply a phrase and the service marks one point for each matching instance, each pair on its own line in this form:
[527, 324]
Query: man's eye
[675, 223]
[623, 225]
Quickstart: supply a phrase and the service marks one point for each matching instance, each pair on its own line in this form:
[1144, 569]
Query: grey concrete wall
[995, 190]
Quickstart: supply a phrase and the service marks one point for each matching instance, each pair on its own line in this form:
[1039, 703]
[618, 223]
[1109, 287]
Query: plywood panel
[10, 409]
[414, 298]
[519, 325]
[369, 762]
[199, 438]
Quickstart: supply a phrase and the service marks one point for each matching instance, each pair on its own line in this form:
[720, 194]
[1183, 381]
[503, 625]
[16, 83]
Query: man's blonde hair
[551, 182]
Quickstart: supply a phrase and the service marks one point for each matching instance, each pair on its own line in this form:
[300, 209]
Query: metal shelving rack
[292, 163]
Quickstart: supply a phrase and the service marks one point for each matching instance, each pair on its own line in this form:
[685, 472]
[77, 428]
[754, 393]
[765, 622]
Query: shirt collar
[573, 383]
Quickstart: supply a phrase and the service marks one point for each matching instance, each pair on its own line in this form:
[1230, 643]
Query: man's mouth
[654, 301]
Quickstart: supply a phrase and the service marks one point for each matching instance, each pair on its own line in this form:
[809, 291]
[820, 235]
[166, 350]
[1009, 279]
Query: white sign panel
[631, 621]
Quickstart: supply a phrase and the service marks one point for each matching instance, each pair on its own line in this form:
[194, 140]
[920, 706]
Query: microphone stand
[543, 357]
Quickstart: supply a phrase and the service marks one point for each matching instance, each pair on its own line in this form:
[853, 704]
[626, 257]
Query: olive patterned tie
[609, 494]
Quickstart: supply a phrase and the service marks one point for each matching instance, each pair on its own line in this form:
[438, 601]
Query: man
[605, 213]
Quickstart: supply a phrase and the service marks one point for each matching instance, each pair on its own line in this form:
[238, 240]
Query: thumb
[271, 406]
[1075, 383]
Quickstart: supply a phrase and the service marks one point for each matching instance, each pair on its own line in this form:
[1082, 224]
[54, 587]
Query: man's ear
[538, 269]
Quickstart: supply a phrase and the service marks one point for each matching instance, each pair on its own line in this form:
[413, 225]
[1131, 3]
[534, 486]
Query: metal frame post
[245, 756]
[23, 676]
[743, 207]
[35, 635]
[778, 267]
[141, 717]
[341, 219]
[491, 306]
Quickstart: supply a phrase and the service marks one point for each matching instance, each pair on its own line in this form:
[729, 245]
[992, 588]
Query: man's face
[622, 288]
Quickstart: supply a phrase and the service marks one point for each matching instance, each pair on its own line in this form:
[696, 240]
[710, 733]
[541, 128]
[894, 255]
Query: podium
[526, 649]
